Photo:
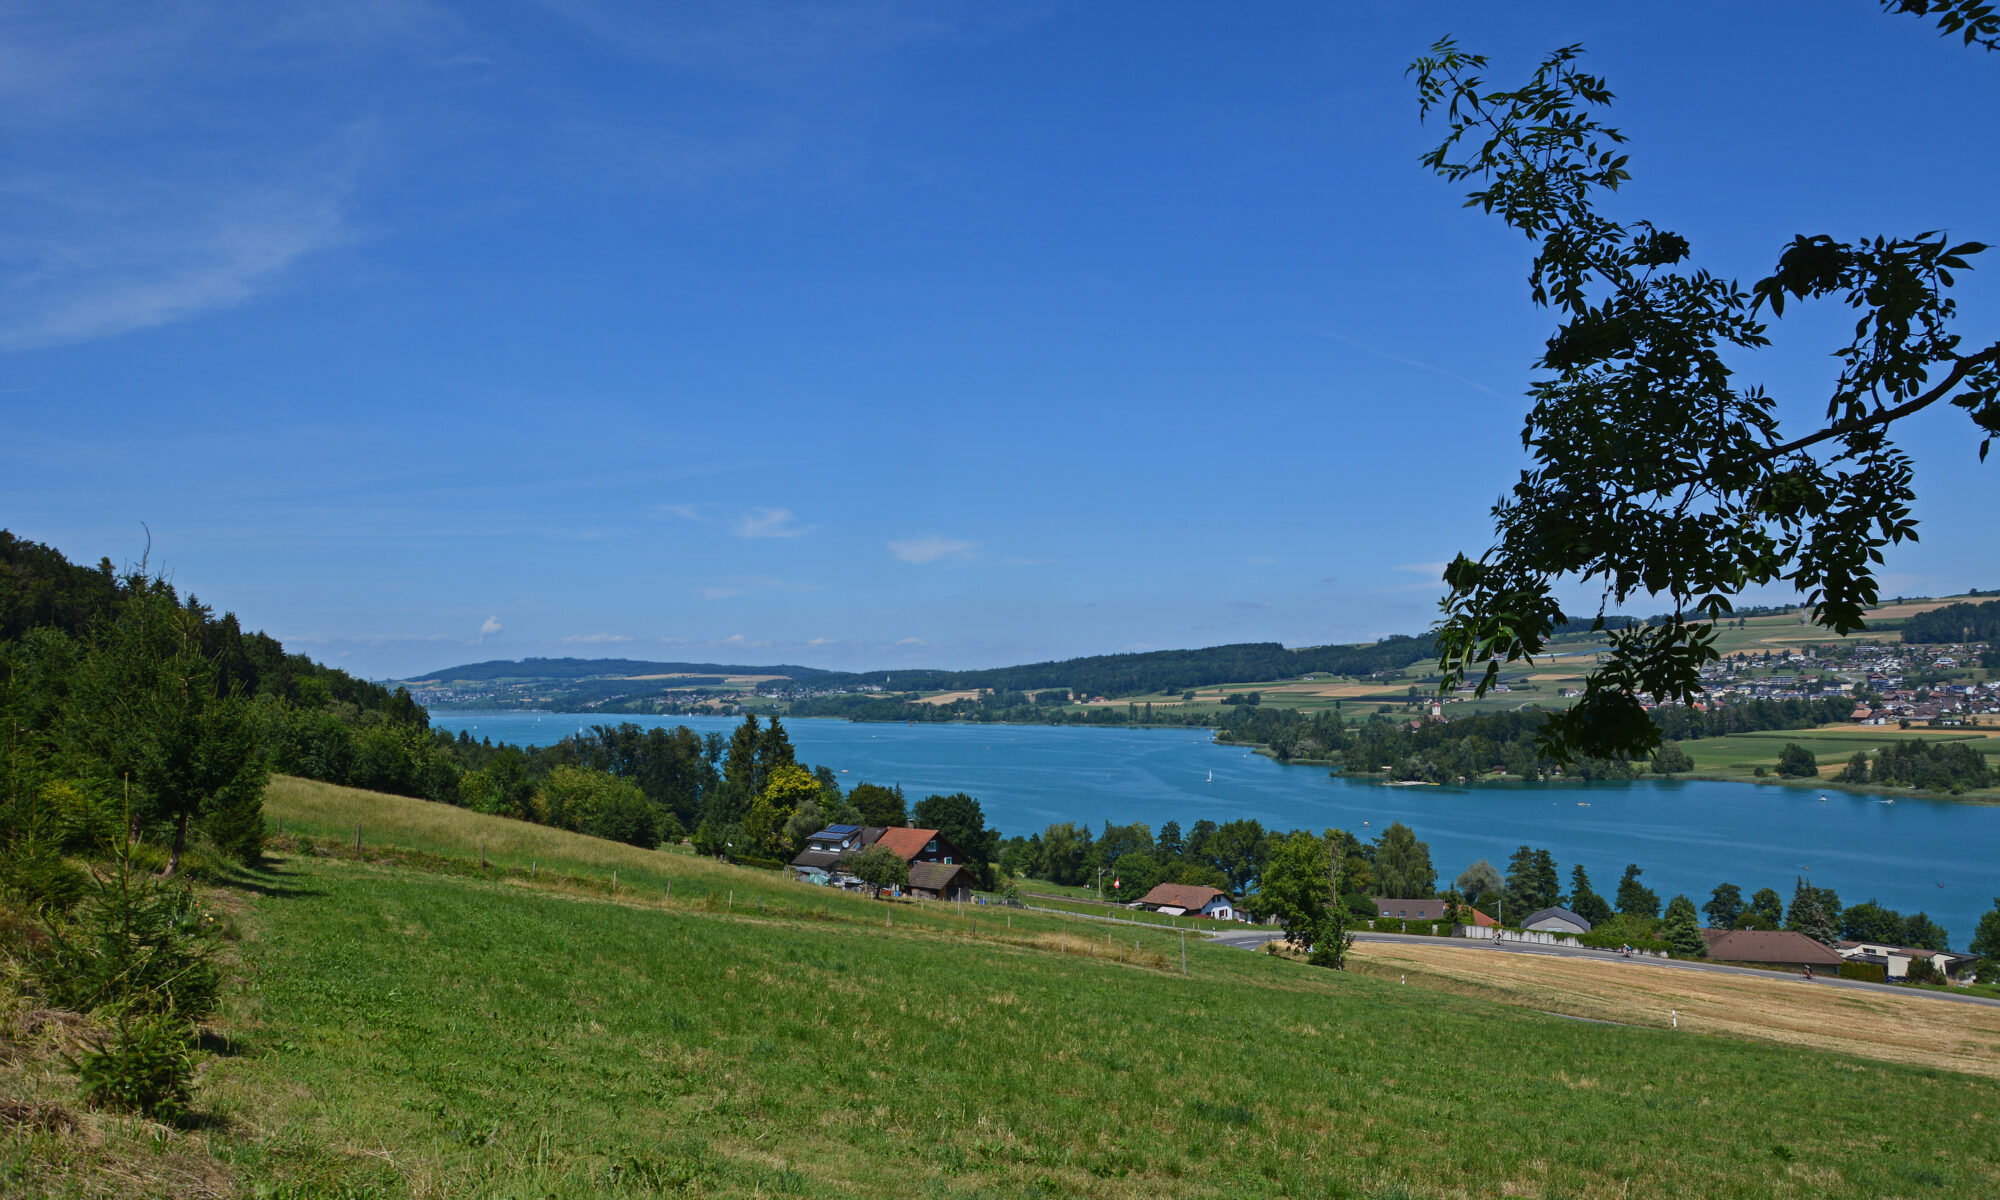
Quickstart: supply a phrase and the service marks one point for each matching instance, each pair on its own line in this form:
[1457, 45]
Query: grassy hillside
[410, 1025]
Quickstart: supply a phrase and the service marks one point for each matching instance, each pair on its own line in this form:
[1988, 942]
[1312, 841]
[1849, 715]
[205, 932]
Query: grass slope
[410, 1026]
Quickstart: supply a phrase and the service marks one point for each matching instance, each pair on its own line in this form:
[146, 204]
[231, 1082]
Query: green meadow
[1737, 756]
[408, 1023]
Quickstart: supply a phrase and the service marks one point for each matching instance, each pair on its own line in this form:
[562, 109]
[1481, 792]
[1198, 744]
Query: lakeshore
[1688, 835]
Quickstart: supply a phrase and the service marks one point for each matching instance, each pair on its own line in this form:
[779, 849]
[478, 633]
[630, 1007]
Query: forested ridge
[130, 707]
[596, 668]
[1952, 623]
[1115, 675]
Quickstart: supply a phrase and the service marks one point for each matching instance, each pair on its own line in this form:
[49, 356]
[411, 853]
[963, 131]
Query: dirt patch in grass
[1906, 1029]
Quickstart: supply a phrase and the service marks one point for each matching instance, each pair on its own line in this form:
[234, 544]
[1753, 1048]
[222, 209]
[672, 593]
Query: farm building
[1556, 920]
[1777, 947]
[826, 851]
[1896, 960]
[1187, 899]
[1424, 910]
[941, 881]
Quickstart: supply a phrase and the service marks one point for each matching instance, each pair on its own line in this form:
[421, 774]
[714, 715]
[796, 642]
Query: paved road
[1251, 939]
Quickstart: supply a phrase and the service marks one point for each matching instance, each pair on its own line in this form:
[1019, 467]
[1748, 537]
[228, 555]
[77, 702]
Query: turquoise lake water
[1687, 836]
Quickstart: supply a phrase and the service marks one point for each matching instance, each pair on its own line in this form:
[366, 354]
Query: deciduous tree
[1297, 889]
[1724, 905]
[1986, 938]
[1403, 869]
[963, 823]
[1769, 906]
[879, 867]
[1654, 469]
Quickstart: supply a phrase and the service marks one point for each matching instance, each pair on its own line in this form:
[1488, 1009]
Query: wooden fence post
[1184, 954]
[357, 838]
[482, 854]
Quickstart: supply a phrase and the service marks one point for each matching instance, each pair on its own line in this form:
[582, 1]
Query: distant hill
[1977, 621]
[595, 668]
[1148, 671]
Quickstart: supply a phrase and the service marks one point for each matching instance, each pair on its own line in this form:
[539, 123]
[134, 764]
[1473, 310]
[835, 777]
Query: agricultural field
[1737, 756]
[408, 1023]
[1774, 1007]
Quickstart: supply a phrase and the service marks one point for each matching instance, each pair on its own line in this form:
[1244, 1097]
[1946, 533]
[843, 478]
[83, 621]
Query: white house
[1556, 920]
[1187, 899]
[1896, 960]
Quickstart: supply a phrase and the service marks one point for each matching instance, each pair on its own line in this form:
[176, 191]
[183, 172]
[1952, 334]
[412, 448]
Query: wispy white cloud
[100, 260]
[762, 521]
[490, 626]
[1433, 569]
[820, 641]
[130, 203]
[592, 639]
[912, 641]
[931, 548]
[1407, 362]
[767, 523]
[736, 585]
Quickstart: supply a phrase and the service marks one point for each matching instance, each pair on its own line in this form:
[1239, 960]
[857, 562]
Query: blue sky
[870, 334]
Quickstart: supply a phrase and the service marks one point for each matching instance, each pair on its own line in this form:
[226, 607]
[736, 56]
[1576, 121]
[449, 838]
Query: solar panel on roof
[843, 829]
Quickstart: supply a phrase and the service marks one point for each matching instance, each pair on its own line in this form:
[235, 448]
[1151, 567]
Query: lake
[1688, 836]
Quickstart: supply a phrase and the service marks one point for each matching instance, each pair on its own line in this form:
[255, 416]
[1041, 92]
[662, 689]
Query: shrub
[136, 943]
[1797, 762]
[1866, 972]
[1672, 760]
[146, 1066]
[879, 867]
[37, 876]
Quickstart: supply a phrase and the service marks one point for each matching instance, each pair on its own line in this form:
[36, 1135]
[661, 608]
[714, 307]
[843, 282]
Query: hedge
[1870, 972]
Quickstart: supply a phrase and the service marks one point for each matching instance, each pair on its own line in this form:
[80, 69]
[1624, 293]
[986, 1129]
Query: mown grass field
[414, 1026]
[1773, 1006]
